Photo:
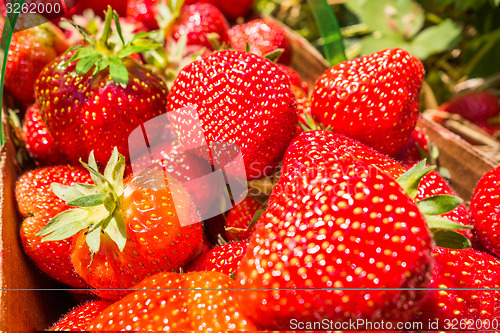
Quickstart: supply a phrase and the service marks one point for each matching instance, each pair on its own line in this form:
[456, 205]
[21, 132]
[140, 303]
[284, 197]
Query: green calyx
[442, 229]
[168, 12]
[96, 206]
[102, 54]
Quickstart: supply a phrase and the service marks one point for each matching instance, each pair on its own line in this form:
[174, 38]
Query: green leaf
[436, 39]
[114, 171]
[274, 55]
[441, 223]
[410, 180]
[451, 240]
[117, 231]
[438, 204]
[118, 26]
[65, 224]
[333, 44]
[233, 275]
[257, 216]
[93, 239]
[86, 64]
[89, 201]
[118, 71]
[86, 189]
[371, 44]
[65, 192]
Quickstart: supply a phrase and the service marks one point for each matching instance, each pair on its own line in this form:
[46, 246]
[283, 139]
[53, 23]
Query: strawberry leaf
[65, 225]
[65, 192]
[118, 71]
[256, 216]
[410, 180]
[114, 171]
[438, 204]
[89, 201]
[93, 239]
[451, 240]
[273, 56]
[116, 230]
[441, 223]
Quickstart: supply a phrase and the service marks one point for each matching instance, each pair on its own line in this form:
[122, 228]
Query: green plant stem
[8, 31]
[492, 40]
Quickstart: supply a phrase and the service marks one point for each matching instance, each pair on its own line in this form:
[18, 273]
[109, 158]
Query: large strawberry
[463, 300]
[476, 106]
[39, 143]
[263, 37]
[198, 301]
[340, 224]
[92, 98]
[223, 258]
[373, 99]
[30, 51]
[126, 230]
[78, 318]
[38, 205]
[239, 99]
[484, 210]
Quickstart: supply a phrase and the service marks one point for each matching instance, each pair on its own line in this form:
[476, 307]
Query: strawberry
[238, 99]
[198, 301]
[37, 205]
[458, 304]
[415, 150]
[197, 22]
[340, 224]
[476, 106]
[373, 99]
[224, 258]
[100, 7]
[39, 143]
[30, 51]
[125, 230]
[144, 11]
[263, 36]
[78, 318]
[92, 101]
[239, 218]
[484, 210]
[295, 80]
[232, 9]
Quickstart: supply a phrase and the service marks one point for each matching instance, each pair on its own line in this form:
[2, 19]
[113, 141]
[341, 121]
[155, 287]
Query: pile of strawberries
[344, 221]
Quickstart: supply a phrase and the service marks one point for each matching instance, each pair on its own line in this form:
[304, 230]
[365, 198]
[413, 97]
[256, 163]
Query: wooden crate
[28, 301]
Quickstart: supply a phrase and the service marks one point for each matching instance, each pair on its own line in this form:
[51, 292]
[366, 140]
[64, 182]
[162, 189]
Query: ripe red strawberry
[415, 150]
[318, 147]
[223, 258]
[198, 301]
[263, 36]
[39, 143]
[78, 318]
[232, 9]
[463, 307]
[126, 230]
[238, 98]
[373, 99]
[144, 11]
[100, 7]
[295, 80]
[37, 205]
[484, 210]
[88, 108]
[477, 106]
[342, 224]
[197, 22]
[239, 218]
[30, 51]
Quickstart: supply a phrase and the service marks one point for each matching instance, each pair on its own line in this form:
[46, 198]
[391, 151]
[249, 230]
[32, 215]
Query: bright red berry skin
[466, 308]
[239, 98]
[39, 143]
[30, 51]
[78, 318]
[38, 204]
[263, 36]
[342, 224]
[197, 301]
[232, 9]
[477, 106]
[238, 219]
[199, 20]
[374, 99]
[223, 258]
[144, 11]
[295, 80]
[99, 7]
[484, 210]
[85, 113]
[413, 150]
